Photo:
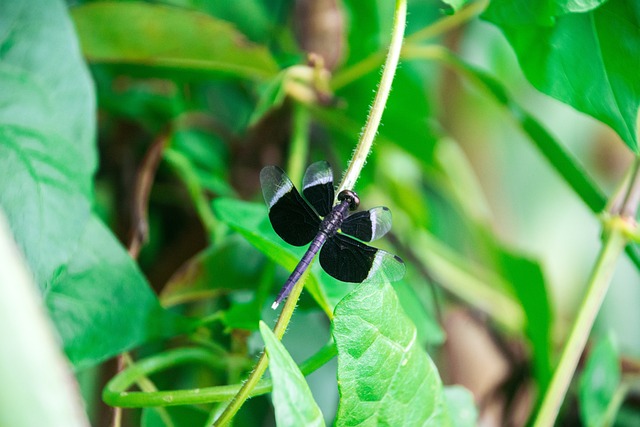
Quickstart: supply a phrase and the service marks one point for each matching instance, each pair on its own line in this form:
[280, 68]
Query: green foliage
[599, 382]
[47, 161]
[163, 137]
[142, 34]
[384, 377]
[292, 398]
[554, 43]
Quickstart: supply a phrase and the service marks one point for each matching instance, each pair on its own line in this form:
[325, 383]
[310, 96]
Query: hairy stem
[375, 114]
[255, 376]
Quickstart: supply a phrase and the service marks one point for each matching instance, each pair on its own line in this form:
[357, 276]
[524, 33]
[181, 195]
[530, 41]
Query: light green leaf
[587, 60]
[599, 381]
[460, 405]
[168, 38]
[252, 221]
[47, 113]
[47, 161]
[384, 377]
[292, 398]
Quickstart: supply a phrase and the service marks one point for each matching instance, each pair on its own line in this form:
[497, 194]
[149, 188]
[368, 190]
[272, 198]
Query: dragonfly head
[351, 198]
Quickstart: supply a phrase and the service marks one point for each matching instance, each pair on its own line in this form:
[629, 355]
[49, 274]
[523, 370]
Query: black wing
[291, 217]
[348, 260]
[368, 225]
[317, 187]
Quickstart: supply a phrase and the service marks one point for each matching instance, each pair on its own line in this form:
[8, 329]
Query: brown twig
[144, 182]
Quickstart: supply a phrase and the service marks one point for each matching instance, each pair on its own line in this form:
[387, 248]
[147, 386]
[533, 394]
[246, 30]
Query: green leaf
[292, 398]
[47, 160]
[101, 304]
[587, 60]
[460, 405]
[599, 382]
[529, 284]
[538, 12]
[47, 155]
[384, 377]
[251, 220]
[231, 264]
[169, 39]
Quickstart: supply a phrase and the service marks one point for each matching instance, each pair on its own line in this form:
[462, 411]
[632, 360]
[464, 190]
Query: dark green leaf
[168, 38]
[292, 398]
[384, 377]
[101, 303]
[599, 381]
[47, 156]
[460, 405]
[231, 264]
[587, 60]
[530, 288]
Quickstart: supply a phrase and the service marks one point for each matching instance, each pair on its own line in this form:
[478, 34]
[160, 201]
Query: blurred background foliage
[194, 97]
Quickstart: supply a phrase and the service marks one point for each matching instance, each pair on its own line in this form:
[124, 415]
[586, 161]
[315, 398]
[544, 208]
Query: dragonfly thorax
[332, 222]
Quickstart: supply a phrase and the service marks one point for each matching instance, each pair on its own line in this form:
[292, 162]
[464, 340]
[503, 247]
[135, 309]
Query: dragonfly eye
[351, 197]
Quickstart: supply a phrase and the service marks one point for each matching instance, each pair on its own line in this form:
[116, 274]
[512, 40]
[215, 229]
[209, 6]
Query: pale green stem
[182, 166]
[299, 142]
[613, 245]
[255, 376]
[614, 405]
[375, 114]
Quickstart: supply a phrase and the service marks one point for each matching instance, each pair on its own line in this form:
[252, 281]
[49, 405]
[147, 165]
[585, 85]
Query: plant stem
[115, 393]
[299, 142]
[182, 166]
[375, 114]
[618, 229]
[261, 366]
[613, 246]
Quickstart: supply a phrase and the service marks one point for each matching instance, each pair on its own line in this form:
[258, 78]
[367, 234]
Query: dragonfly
[331, 230]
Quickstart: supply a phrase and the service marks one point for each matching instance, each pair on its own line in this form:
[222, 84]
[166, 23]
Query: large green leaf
[384, 377]
[101, 303]
[588, 60]
[292, 398]
[251, 220]
[47, 156]
[169, 39]
[97, 298]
